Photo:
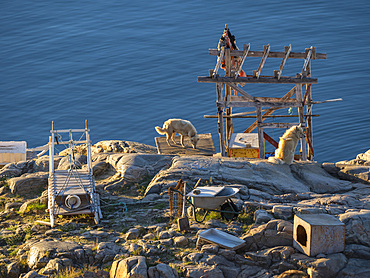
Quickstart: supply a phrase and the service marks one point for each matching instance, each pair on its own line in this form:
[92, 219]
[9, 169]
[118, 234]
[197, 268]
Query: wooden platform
[205, 146]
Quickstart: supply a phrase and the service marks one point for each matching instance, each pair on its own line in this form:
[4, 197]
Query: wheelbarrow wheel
[229, 211]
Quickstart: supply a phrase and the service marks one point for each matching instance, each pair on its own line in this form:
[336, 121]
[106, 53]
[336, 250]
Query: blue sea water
[127, 66]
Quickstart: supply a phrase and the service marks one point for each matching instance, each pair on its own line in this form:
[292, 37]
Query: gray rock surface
[162, 271]
[134, 266]
[255, 174]
[357, 226]
[29, 184]
[274, 233]
[355, 268]
[42, 251]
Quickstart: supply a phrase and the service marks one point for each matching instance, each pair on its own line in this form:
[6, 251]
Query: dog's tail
[160, 130]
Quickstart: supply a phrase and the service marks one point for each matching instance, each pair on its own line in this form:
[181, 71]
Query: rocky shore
[137, 237]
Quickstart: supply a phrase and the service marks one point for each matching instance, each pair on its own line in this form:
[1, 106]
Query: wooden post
[221, 130]
[88, 149]
[309, 133]
[301, 120]
[51, 198]
[260, 132]
[51, 150]
[229, 121]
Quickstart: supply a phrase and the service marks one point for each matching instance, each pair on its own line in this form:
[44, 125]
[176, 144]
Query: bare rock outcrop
[255, 174]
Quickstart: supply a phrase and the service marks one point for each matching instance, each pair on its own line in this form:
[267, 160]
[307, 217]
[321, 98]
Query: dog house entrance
[301, 235]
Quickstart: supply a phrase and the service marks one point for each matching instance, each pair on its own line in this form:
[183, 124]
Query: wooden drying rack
[264, 106]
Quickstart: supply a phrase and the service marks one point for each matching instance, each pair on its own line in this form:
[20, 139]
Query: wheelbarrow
[211, 198]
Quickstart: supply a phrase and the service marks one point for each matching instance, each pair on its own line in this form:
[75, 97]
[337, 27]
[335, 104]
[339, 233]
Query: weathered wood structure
[205, 146]
[229, 86]
[71, 191]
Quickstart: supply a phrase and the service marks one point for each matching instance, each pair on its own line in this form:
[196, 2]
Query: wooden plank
[287, 49]
[205, 146]
[246, 48]
[274, 99]
[278, 125]
[266, 50]
[68, 142]
[261, 79]
[272, 54]
[306, 62]
[270, 140]
[219, 59]
[263, 117]
[271, 110]
[68, 130]
[238, 101]
[325, 101]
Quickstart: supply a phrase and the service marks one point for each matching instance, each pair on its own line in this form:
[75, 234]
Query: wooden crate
[244, 145]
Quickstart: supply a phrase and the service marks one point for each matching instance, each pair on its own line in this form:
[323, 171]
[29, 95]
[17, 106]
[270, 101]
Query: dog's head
[194, 140]
[300, 131]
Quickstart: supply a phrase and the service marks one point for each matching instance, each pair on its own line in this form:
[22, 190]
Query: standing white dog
[287, 145]
[182, 127]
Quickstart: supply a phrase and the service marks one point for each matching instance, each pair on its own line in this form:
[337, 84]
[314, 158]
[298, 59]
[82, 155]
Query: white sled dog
[182, 127]
[287, 145]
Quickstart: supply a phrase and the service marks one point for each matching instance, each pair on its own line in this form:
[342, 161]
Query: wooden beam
[221, 130]
[219, 59]
[229, 121]
[272, 54]
[325, 101]
[256, 104]
[261, 79]
[241, 91]
[263, 117]
[270, 140]
[277, 73]
[301, 120]
[246, 48]
[271, 110]
[260, 133]
[266, 50]
[278, 125]
[306, 62]
[240, 101]
[310, 151]
[69, 130]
